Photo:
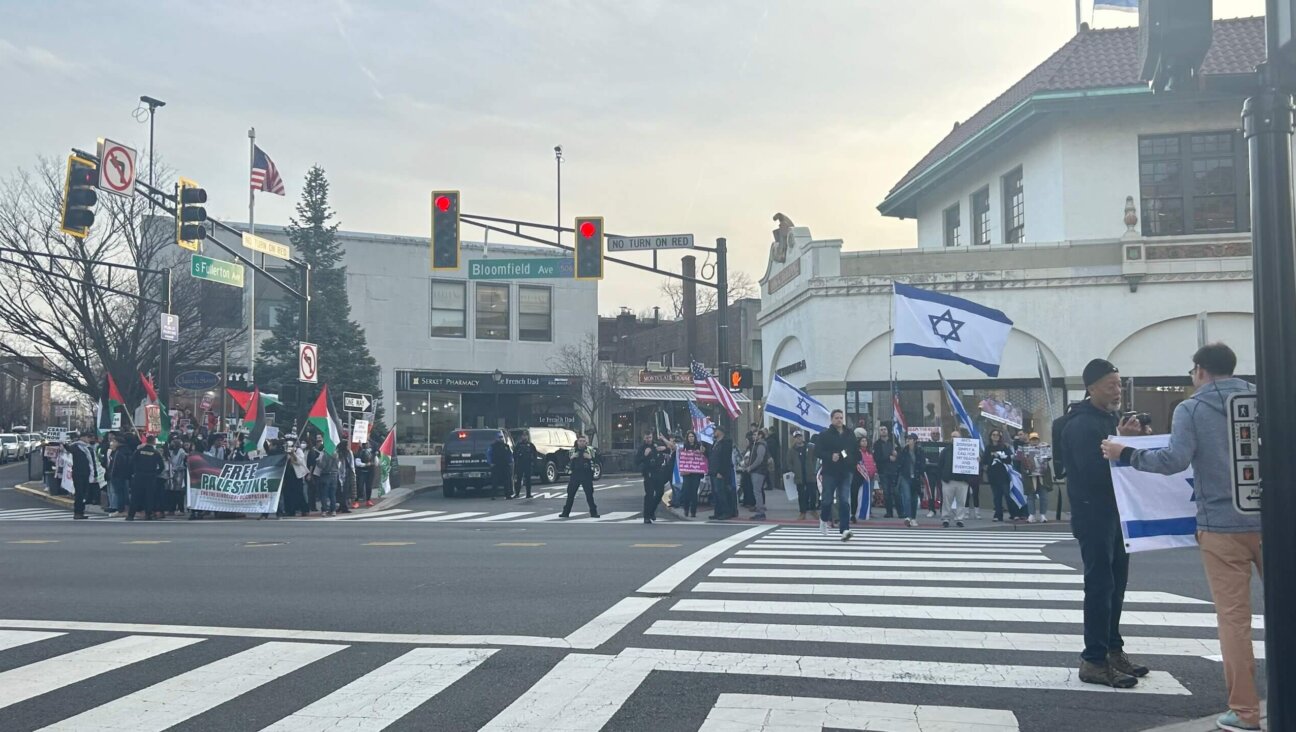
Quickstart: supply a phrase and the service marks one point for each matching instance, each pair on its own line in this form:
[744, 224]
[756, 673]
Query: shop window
[423, 418]
[492, 312]
[623, 431]
[449, 309]
[981, 216]
[535, 313]
[1194, 183]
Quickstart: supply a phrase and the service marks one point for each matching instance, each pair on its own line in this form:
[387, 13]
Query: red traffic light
[443, 203]
[588, 229]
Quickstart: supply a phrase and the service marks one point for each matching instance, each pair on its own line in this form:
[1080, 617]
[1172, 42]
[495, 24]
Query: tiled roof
[1097, 59]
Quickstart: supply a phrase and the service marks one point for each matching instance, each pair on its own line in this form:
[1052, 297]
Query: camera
[1144, 418]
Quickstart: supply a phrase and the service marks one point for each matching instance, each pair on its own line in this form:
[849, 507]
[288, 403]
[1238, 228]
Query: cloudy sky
[674, 115]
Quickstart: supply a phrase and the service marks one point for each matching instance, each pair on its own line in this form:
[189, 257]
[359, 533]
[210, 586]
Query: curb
[1207, 724]
[401, 495]
[40, 493]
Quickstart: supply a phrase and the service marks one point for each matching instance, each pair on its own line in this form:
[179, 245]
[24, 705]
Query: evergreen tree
[345, 363]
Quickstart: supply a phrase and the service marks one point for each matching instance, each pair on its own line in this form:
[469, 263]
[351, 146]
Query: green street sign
[528, 268]
[216, 270]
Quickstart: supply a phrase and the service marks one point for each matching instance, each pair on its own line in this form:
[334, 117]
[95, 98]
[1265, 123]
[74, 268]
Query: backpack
[1059, 446]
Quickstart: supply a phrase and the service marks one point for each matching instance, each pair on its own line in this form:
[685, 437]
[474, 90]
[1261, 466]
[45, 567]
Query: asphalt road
[550, 624]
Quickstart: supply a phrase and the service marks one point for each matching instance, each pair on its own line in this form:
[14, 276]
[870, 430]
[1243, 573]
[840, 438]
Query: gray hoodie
[1200, 438]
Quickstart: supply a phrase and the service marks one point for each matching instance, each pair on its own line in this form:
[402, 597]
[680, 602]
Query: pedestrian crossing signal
[79, 197]
[445, 230]
[740, 377]
[589, 248]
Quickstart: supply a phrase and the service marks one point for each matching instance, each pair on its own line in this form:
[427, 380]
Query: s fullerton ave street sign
[216, 270]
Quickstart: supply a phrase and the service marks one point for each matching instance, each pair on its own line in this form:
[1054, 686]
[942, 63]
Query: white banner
[1156, 511]
[967, 456]
[242, 486]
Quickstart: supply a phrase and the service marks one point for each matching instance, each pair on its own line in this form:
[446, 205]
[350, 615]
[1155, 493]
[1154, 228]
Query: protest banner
[1156, 511]
[236, 486]
[967, 456]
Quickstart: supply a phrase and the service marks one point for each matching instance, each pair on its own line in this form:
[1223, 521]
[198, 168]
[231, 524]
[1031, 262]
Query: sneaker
[1122, 663]
[931, 514]
[945, 523]
[847, 534]
[1030, 519]
[958, 524]
[998, 519]
[758, 517]
[977, 515]
[369, 504]
[1231, 721]
[823, 527]
[355, 504]
[801, 517]
[1043, 519]
[564, 514]
[594, 514]
[1105, 675]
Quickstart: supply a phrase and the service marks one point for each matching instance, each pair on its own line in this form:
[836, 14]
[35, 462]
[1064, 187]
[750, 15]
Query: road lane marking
[388, 543]
[763, 713]
[14, 638]
[607, 517]
[944, 612]
[503, 516]
[170, 702]
[610, 622]
[389, 692]
[870, 556]
[547, 517]
[450, 516]
[855, 545]
[521, 543]
[926, 638]
[675, 575]
[147, 541]
[292, 634]
[33, 541]
[905, 564]
[42, 677]
[383, 514]
[954, 593]
[580, 693]
[403, 516]
[900, 575]
[654, 546]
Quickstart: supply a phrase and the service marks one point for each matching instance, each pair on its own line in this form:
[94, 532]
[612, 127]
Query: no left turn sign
[116, 168]
[308, 363]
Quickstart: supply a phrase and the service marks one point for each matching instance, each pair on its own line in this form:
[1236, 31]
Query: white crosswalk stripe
[43, 514]
[407, 516]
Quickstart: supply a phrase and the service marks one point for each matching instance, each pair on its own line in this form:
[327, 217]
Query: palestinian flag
[323, 418]
[243, 398]
[110, 400]
[385, 455]
[165, 433]
[254, 424]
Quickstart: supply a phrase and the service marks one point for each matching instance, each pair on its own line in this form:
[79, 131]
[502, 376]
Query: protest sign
[967, 456]
[237, 486]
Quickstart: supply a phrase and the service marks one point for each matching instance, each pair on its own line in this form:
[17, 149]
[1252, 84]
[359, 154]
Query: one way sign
[356, 402]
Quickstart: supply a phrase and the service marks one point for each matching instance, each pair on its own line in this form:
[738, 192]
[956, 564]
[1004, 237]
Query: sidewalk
[1207, 724]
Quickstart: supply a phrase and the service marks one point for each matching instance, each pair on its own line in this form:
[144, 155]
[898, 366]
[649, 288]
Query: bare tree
[741, 285]
[71, 319]
[598, 379]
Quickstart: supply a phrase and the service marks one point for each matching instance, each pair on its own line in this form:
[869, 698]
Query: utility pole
[688, 307]
[558, 158]
[722, 315]
[1267, 125]
[164, 346]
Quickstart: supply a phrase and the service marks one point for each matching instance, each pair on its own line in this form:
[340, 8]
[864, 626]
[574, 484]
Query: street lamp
[499, 379]
[558, 159]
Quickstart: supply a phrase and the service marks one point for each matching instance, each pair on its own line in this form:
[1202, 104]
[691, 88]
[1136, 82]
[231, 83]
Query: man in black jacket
[836, 449]
[1095, 523]
[582, 475]
[524, 457]
[83, 472]
[887, 456]
[146, 467]
[723, 497]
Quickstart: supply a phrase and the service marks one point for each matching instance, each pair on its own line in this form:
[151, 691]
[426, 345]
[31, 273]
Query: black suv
[463, 460]
[553, 448]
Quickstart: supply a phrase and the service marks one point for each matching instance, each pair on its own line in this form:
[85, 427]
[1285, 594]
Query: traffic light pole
[1267, 123]
[722, 315]
[164, 369]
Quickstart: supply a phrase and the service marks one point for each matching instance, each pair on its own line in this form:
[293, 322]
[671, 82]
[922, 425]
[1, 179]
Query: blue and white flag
[790, 404]
[1156, 511]
[702, 424]
[1016, 487]
[677, 480]
[965, 421]
[935, 325]
[1129, 6]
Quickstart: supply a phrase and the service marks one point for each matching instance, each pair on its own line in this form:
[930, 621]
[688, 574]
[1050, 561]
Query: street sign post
[116, 168]
[527, 268]
[649, 243]
[1244, 431]
[170, 326]
[308, 363]
[356, 402]
[216, 270]
[266, 246]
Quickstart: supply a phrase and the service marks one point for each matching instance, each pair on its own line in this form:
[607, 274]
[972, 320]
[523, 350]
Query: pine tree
[345, 363]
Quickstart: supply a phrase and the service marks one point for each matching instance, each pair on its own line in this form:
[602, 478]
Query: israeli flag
[1129, 6]
[1156, 511]
[956, 404]
[1016, 487]
[935, 325]
[790, 404]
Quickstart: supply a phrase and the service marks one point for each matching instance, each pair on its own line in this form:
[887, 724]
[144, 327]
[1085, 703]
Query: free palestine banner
[235, 486]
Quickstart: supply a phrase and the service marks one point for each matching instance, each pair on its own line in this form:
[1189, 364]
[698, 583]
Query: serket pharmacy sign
[462, 381]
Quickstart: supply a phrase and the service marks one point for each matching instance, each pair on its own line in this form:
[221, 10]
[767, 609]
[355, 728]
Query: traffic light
[190, 214]
[740, 377]
[445, 230]
[589, 248]
[79, 197]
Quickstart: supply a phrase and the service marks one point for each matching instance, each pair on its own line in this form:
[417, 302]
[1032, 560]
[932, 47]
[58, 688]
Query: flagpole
[1077, 16]
[252, 285]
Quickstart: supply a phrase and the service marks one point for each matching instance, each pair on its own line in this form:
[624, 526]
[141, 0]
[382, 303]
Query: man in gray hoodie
[1230, 541]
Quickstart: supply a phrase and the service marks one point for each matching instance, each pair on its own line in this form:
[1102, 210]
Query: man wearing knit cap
[1095, 523]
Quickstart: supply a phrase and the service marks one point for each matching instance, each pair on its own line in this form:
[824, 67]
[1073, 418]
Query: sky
[675, 116]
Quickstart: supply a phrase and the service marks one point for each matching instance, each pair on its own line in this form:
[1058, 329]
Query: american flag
[702, 424]
[265, 176]
[707, 388]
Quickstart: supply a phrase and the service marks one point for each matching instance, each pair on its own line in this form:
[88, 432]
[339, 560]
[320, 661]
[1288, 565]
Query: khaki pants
[1228, 559]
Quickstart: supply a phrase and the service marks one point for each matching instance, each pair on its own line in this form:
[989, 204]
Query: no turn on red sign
[116, 168]
[308, 363]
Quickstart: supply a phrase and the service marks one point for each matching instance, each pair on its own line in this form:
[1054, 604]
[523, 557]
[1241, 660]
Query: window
[449, 300]
[492, 312]
[981, 216]
[953, 227]
[1194, 183]
[535, 313]
[1014, 205]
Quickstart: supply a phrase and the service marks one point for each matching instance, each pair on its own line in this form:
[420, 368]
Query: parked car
[10, 447]
[553, 447]
[463, 460]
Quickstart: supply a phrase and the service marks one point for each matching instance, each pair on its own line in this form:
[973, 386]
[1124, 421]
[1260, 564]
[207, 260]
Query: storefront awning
[663, 394]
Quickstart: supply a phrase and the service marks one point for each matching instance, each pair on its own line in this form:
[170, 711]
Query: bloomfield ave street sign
[520, 269]
[216, 270]
[646, 243]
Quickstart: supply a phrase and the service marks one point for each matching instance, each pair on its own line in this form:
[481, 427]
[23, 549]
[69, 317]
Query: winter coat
[830, 442]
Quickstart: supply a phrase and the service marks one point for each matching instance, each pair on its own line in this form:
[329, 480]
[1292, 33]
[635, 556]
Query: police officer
[147, 467]
[582, 474]
[524, 457]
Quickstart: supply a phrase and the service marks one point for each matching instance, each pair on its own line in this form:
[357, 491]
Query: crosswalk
[44, 514]
[900, 633]
[409, 516]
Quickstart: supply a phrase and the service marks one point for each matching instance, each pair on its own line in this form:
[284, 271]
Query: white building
[1023, 208]
[452, 351]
